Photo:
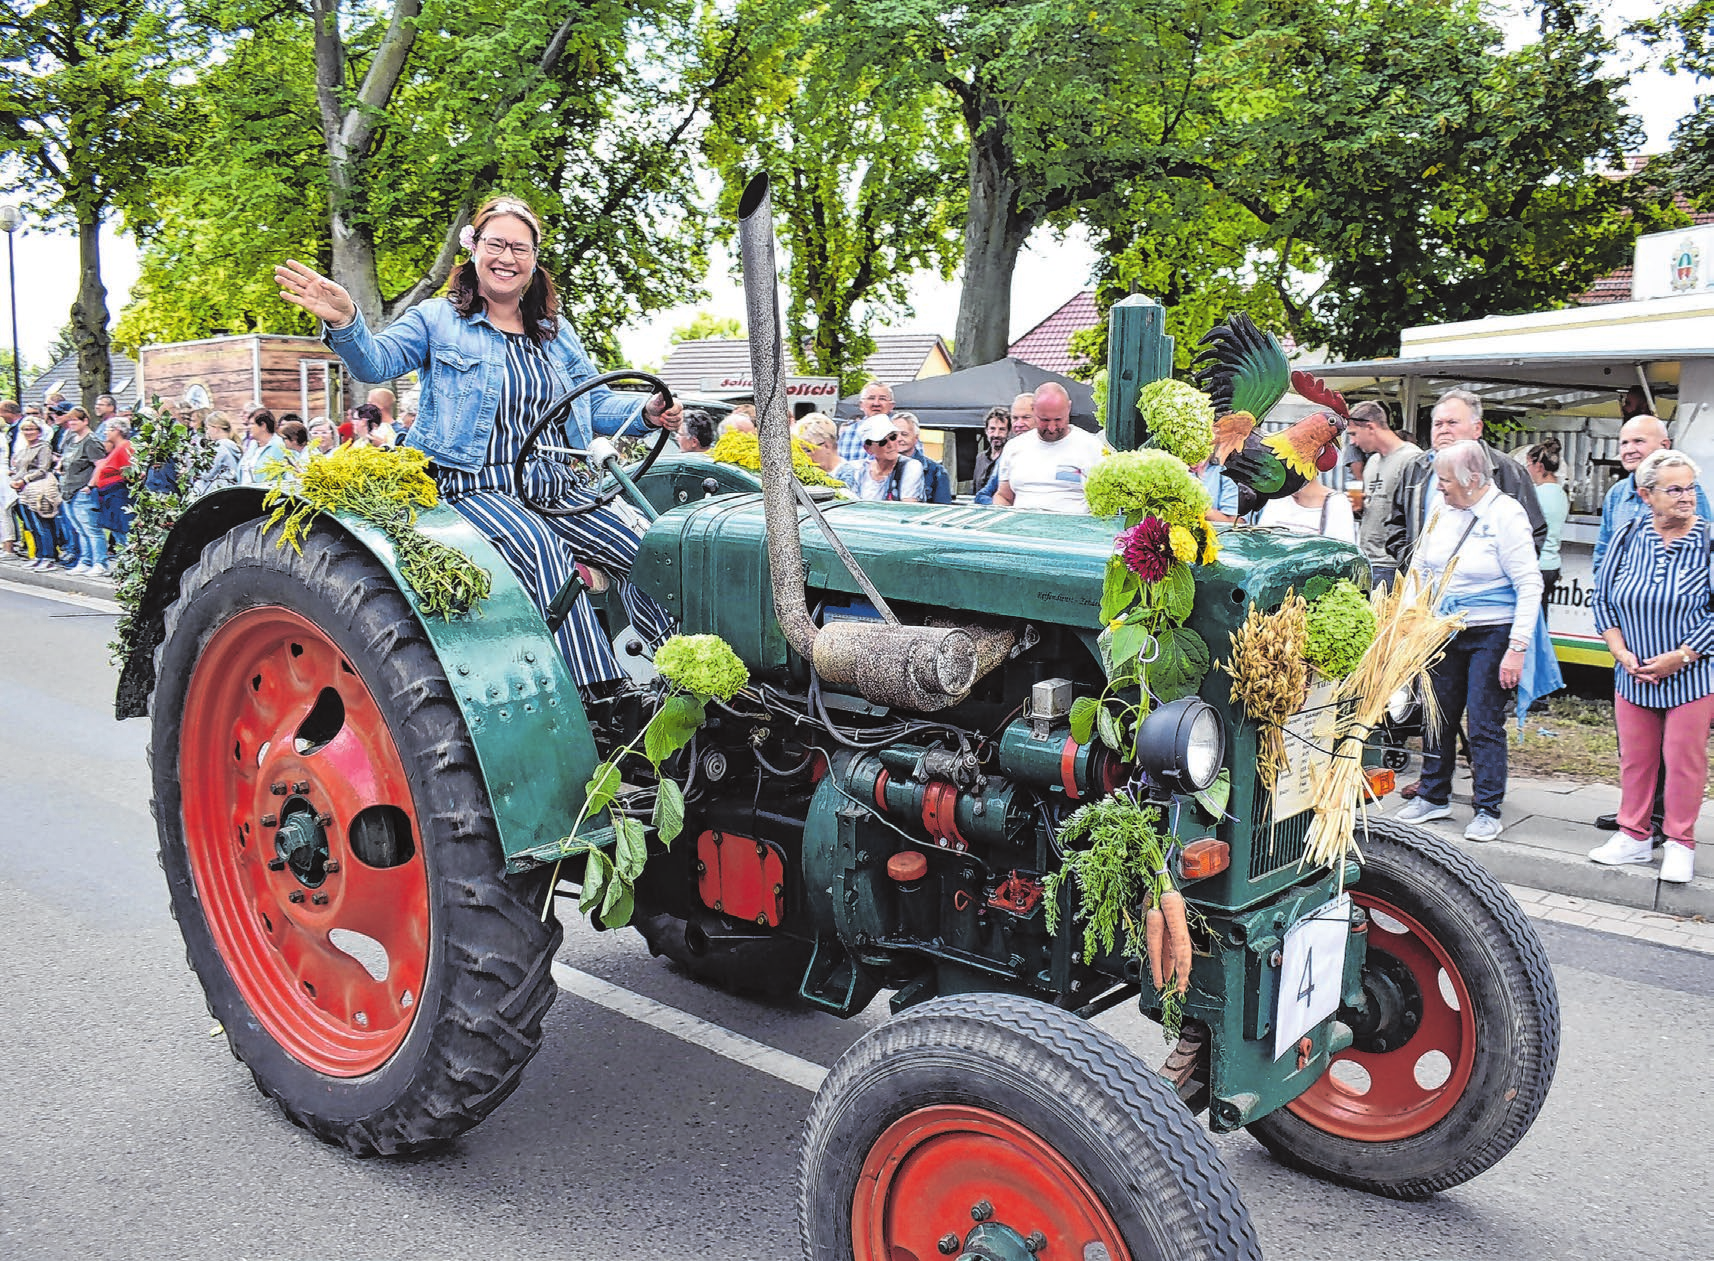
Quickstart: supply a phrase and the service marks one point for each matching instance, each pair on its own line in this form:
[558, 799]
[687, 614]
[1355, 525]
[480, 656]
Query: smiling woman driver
[493, 353]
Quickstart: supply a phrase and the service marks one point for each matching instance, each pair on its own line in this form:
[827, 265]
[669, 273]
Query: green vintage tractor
[362, 811]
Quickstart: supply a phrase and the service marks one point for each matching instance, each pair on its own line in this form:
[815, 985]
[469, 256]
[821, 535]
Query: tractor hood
[707, 565]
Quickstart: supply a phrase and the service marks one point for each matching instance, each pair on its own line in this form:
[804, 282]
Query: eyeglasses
[1673, 492]
[875, 442]
[496, 248]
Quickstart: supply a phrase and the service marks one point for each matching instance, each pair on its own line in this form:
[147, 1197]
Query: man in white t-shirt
[1044, 470]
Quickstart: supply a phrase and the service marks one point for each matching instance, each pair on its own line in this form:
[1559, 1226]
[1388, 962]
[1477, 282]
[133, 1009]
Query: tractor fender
[525, 717]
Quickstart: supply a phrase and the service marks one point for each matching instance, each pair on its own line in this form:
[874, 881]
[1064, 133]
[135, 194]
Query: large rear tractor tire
[996, 1126]
[330, 852]
[1457, 1046]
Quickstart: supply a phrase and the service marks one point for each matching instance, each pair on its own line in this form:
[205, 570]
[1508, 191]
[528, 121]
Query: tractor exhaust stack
[910, 667]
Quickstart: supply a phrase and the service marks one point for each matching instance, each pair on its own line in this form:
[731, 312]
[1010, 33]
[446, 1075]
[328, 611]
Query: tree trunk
[89, 315]
[994, 233]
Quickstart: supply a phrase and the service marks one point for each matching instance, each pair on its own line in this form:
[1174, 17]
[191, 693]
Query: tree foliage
[88, 108]
[864, 181]
[362, 137]
[1687, 32]
[705, 324]
[1374, 190]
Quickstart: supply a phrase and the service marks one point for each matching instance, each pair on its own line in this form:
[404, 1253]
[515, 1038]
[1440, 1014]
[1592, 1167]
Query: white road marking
[692, 1029]
[64, 597]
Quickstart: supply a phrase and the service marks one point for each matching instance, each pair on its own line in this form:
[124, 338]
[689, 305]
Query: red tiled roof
[1047, 345]
[1615, 286]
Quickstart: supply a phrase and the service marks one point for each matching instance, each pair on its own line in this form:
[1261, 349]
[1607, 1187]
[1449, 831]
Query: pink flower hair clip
[467, 238]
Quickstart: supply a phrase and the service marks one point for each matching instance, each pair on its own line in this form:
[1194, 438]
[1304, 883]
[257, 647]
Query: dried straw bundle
[1270, 675]
[1409, 638]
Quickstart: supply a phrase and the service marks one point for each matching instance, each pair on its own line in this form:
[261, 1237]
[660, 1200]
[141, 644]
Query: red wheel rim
[242, 762]
[1397, 1104]
[929, 1169]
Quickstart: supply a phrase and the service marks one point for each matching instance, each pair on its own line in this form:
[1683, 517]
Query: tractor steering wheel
[556, 413]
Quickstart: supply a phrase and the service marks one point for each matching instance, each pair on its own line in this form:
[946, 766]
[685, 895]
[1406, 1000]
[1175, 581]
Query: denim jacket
[462, 362]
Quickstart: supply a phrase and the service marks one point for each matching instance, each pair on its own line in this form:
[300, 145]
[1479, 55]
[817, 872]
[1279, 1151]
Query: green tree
[705, 324]
[361, 138]
[865, 181]
[1062, 104]
[88, 108]
[1687, 32]
[1460, 181]
[1378, 189]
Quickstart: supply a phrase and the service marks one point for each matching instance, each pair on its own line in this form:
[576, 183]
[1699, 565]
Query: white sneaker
[1422, 810]
[1622, 849]
[80, 568]
[1677, 863]
[1484, 827]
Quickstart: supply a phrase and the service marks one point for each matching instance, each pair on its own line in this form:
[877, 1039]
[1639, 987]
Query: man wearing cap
[1045, 470]
[882, 474]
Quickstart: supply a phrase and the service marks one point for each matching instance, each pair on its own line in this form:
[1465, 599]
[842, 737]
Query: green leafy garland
[385, 488]
[697, 669]
[175, 449]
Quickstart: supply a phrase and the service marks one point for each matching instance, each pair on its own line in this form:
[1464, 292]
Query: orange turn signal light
[1381, 781]
[1204, 858]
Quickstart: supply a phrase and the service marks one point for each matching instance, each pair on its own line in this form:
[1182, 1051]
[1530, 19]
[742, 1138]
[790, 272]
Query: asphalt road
[128, 1131]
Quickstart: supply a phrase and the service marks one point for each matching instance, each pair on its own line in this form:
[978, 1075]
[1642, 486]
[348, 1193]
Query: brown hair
[262, 416]
[1546, 454]
[1372, 413]
[540, 304]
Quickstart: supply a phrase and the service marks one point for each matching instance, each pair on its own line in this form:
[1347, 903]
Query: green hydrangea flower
[702, 664]
[1147, 483]
[1341, 628]
[1180, 419]
[1099, 385]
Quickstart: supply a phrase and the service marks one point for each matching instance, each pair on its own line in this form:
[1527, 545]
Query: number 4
[1306, 987]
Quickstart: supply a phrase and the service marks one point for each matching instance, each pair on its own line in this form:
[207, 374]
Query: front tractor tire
[990, 1125]
[330, 853]
[1458, 1041]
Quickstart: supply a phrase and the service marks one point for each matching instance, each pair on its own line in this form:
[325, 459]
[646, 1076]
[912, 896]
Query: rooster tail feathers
[1317, 391]
[1240, 367]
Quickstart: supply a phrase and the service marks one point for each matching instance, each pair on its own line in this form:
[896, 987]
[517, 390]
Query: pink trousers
[1644, 734]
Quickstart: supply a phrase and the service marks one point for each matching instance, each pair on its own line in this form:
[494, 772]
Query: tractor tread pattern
[1106, 1065]
[498, 953]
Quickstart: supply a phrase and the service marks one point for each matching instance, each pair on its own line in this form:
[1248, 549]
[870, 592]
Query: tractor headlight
[1400, 703]
[1182, 745]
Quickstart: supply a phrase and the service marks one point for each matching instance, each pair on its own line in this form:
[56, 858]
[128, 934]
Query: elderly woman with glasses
[1652, 607]
[1482, 535]
[883, 473]
[494, 353]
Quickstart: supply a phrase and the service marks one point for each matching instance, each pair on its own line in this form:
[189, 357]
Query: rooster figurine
[1245, 372]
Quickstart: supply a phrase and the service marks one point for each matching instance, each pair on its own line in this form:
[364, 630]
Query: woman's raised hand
[315, 293]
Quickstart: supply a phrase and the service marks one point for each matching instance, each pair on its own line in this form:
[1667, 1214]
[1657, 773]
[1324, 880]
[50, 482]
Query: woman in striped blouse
[1652, 606]
[494, 353]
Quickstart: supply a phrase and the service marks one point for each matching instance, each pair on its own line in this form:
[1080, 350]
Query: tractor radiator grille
[1275, 845]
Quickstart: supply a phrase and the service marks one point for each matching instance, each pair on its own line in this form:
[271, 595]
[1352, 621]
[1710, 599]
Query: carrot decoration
[1178, 937]
[1154, 933]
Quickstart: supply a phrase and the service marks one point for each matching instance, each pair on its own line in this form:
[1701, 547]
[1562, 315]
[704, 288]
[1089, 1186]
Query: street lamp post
[10, 218]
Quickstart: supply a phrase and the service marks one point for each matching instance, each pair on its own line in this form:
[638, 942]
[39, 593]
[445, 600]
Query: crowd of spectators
[65, 501]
